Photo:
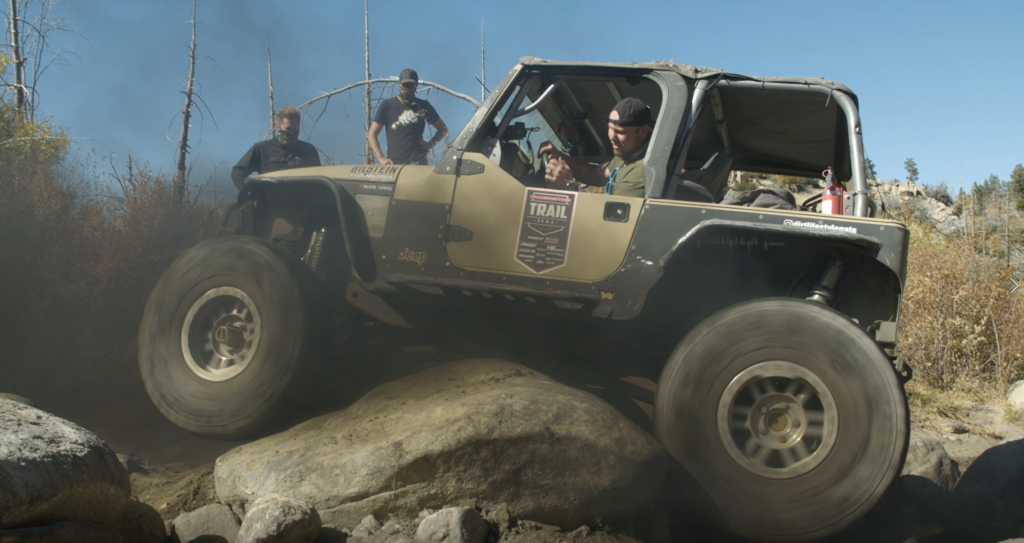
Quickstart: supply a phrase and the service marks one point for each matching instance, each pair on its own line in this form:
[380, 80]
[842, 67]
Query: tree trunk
[18, 62]
[483, 66]
[179, 180]
[270, 81]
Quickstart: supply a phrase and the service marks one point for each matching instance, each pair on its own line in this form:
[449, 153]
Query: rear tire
[226, 332]
[788, 415]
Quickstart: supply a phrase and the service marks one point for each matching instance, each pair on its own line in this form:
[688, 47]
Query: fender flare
[342, 199]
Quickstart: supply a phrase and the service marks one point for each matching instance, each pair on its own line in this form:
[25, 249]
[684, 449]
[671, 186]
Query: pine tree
[911, 167]
[869, 168]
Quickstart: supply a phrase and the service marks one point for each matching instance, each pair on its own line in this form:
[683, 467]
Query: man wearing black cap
[629, 129]
[404, 117]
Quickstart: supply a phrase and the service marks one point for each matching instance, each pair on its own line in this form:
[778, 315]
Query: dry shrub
[78, 258]
[960, 328]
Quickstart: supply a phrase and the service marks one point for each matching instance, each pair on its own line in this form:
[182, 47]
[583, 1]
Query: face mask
[407, 92]
[287, 137]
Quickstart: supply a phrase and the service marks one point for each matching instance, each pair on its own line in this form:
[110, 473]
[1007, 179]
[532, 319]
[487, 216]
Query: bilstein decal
[545, 229]
[375, 172]
[418, 257]
[820, 226]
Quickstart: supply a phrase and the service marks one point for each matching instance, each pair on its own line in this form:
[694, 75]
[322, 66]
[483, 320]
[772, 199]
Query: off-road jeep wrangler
[781, 398]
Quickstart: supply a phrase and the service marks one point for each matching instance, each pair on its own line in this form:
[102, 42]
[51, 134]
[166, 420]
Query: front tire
[225, 333]
[787, 414]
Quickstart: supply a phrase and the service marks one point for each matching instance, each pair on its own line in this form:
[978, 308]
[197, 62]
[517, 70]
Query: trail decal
[545, 229]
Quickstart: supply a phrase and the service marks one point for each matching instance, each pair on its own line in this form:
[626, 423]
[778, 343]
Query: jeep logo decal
[418, 257]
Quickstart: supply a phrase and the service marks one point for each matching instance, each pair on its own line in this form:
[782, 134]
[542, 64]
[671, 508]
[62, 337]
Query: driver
[629, 129]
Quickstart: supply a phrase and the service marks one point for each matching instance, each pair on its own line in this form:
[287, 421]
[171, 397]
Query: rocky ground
[172, 471]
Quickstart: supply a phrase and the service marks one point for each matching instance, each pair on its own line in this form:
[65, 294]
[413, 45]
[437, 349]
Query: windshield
[573, 117]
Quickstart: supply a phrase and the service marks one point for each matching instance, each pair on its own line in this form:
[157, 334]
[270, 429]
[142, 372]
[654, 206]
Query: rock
[371, 523]
[453, 525]
[927, 458]
[64, 532]
[478, 429]
[212, 519]
[208, 538]
[16, 398]
[1016, 396]
[52, 470]
[274, 519]
[499, 517]
[130, 465]
[992, 489]
[953, 427]
[928, 478]
[581, 532]
[333, 535]
[661, 529]
[140, 523]
[392, 527]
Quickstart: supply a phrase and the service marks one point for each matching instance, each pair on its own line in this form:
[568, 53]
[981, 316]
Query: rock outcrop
[484, 430]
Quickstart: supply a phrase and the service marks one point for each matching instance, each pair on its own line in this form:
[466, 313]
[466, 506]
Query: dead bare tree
[29, 26]
[368, 156]
[186, 112]
[483, 65]
[270, 81]
[16, 60]
[193, 98]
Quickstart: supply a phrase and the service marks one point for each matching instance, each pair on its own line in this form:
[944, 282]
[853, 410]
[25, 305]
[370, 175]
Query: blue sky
[937, 81]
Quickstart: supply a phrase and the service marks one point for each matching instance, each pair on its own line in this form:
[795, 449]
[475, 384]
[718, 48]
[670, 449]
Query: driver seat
[713, 177]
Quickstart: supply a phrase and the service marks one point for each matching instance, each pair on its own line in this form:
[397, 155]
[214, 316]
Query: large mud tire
[788, 416]
[226, 335]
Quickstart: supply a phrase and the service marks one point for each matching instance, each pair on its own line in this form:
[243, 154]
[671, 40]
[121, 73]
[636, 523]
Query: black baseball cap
[632, 112]
[409, 76]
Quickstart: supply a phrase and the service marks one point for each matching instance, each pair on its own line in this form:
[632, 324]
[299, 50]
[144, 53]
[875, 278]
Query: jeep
[780, 395]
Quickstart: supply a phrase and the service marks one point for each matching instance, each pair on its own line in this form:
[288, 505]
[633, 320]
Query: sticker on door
[545, 228]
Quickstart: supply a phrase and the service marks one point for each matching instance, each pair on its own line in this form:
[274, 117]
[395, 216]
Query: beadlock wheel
[229, 337]
[788, 417]
[221, 333]
[777, 419]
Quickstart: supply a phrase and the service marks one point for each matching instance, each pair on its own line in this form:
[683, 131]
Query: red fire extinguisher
[834, 197]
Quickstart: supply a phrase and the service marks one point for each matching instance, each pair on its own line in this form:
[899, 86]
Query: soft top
[782, 125]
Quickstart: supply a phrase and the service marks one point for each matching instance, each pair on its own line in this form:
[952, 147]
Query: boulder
[927, 458]
[64, 532]
[214, 519]
[140, 523]
[479, 429]
[52, 470]
[1016, 396]
[453, 525]
[16, 398]
[273, 519]
[928, 478]
[992, 489]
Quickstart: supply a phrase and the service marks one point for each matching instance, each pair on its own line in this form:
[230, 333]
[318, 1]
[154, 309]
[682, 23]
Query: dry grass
[932, 408]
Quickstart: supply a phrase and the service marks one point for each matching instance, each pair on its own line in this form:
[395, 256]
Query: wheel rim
[220, 334]
[778, 419]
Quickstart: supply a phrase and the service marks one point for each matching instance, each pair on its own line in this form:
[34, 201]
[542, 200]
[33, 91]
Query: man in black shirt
[284, 152]
[405, 116]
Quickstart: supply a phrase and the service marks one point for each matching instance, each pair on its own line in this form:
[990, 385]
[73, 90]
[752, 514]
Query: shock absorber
[824, 290]
[314, 257]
